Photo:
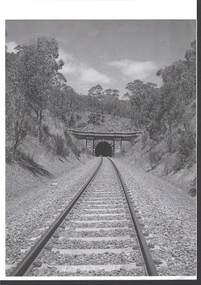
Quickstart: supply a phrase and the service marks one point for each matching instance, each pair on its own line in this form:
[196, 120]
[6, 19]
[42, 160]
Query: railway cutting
[96, 234]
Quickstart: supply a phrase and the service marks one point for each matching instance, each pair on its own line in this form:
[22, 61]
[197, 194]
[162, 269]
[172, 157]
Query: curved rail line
[28, 260]
[36, 249]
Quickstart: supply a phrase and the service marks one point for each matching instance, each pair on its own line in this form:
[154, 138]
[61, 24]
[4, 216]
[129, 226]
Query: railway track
[98, 234]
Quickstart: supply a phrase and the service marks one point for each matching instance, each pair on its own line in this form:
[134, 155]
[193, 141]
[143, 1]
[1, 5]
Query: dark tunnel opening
[103, 149]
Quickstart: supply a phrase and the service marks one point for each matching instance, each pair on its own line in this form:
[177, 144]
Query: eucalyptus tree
[95, 94]
[39, 71]
[178, 91]
[16, 105]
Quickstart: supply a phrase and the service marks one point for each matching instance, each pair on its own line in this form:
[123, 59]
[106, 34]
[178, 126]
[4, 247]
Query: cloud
[70, 64]
[84, 72]
[134, 69]
[89, 74]
[11, 47]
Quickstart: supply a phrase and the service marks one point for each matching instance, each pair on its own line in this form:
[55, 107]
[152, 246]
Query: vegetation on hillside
[35, 87]
[167, 114]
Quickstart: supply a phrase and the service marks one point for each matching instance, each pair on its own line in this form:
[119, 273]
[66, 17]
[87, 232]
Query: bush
[192, 191]
[9, 155]
[156, 131]
[186, 144]
[78, 117]
[94, 118]
[60, 146]
[179, 162]
[71, 122]
[154, 158]
[71, 144]
[46, 130]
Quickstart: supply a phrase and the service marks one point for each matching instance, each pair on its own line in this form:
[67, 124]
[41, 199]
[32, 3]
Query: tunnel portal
[103, 149]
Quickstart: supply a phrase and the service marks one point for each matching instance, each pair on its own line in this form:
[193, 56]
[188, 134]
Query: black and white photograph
[101, 139]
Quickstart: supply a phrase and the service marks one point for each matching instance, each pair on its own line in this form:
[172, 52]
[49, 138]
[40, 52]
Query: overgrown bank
[167, 117]
[158, 161]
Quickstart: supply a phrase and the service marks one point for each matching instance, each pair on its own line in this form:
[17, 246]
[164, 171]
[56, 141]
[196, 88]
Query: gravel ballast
[100, 224]
[74, 249]
[169, 217]
[28, 215]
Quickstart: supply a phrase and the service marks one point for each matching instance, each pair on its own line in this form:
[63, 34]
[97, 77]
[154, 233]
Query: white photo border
[78, 9]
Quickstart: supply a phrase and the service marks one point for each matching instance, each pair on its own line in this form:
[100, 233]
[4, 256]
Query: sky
[109, 52]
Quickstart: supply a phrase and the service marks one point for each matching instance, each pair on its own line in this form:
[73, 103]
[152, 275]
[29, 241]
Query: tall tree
[178, 90]
[16, 105]
[95, 94]
[38, 70]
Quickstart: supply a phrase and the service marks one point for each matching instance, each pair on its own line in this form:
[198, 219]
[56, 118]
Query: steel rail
[149, 263]
[36, 249]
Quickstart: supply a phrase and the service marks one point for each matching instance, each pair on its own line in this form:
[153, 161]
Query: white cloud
[89, 74]
[70, 65]
[11, 47]
[134, 69]
[84, 72]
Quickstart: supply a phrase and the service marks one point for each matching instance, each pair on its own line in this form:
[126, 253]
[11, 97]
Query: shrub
[94, 118]
[60, 146]
[71, 122]
[179, 162]
[192, 191]
[71, 144]
[78, 117]
[156, 130]
[9, 155]
[154, 157]
[186, 144]
[46, 130]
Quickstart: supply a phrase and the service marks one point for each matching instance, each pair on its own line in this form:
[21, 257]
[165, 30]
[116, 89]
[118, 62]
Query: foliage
[35, 84]
[71, 122]
[154, 157]
[94, 118]
[162, 111]
[186, 143]
[60, 146]
[31, 74]
[16, 105]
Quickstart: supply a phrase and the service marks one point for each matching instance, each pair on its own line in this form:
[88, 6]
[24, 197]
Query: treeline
[167, 114]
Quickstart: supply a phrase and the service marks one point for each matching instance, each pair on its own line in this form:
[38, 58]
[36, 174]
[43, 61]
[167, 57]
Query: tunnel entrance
[103, 149]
